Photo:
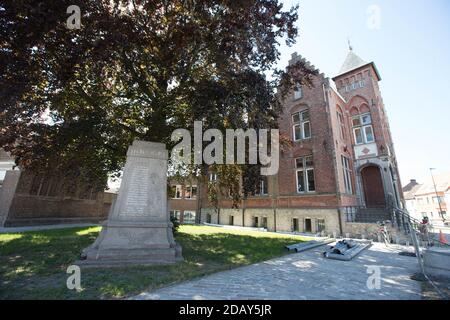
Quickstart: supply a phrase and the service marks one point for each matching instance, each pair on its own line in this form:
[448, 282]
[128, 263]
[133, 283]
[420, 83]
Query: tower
[377, 178]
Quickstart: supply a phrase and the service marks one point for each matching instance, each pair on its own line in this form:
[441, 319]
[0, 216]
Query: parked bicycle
[383, 232]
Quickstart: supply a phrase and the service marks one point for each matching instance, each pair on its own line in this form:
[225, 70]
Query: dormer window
[298, 92]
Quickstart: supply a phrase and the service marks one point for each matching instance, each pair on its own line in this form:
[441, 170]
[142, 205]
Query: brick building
[184, 200]
[340, 174]
[31, 199]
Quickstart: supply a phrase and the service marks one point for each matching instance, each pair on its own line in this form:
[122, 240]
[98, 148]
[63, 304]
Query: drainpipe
[333, 153]
[340, 221]
[275, 220]
[218, 215]
[199, 202]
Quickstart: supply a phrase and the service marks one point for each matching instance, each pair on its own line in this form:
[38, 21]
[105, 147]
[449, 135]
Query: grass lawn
[33, 264]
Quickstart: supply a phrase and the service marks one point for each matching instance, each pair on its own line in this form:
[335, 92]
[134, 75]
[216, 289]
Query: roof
[412, 183]
[442, 185]
[411, 192]
[353, 62]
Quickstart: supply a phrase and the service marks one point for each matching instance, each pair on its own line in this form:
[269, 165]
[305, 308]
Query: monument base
[122, 244]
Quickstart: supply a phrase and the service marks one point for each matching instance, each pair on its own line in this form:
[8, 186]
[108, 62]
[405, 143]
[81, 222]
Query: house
[341, 173]
[409, 193]
[429, 199]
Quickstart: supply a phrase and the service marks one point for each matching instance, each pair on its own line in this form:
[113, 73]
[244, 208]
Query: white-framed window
[347, 174]
[212, 177]
[298, 92]
[191, 192]
[320, 225]
[262, 187]
[362, 129]
[301, 125]
[353, 86]
[178, 191]
[189, 217]
[305, 174]
[175, 214]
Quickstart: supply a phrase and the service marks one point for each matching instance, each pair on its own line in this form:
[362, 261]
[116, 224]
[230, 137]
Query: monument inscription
[136, 202]
[138, 230]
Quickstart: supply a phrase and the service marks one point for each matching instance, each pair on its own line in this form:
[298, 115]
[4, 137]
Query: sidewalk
[306, 276]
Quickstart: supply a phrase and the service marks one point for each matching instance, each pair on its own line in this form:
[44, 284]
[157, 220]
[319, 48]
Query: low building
[30, 199]
[409, 192]
[429, 199]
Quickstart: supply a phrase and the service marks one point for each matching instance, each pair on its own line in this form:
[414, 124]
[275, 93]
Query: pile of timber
[303, 246]
[346, 249]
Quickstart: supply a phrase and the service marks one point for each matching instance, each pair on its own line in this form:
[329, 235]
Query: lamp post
[437, 195]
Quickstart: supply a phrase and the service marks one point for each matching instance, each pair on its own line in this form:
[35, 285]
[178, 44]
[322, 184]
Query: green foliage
[74, 100]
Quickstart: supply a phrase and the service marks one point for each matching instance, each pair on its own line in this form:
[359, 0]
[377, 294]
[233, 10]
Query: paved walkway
[46, 227]
[306, 275]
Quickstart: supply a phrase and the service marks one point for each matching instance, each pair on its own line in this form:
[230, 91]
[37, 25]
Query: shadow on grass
[33, 264]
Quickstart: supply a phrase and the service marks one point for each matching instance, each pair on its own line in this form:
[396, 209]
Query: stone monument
[138, 230]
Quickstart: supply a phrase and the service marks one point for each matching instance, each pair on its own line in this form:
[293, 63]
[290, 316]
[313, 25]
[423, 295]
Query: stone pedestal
[138, 230]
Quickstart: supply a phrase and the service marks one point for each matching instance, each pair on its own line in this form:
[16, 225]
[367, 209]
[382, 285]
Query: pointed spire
[351, 62]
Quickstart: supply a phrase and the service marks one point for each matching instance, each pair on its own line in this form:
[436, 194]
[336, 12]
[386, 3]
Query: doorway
[308, 225]
[373, 187]
[295, 225]
[264, 222]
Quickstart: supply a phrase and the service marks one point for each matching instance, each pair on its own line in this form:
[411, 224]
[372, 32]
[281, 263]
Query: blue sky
[411, 49]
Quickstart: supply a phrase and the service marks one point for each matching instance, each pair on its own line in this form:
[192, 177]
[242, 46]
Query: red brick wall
[320, 145]
[29, 209]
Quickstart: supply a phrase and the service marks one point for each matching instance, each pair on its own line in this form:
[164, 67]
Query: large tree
[73, 100]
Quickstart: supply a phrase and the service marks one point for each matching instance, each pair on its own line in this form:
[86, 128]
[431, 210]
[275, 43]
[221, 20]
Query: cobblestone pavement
[306, 275]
